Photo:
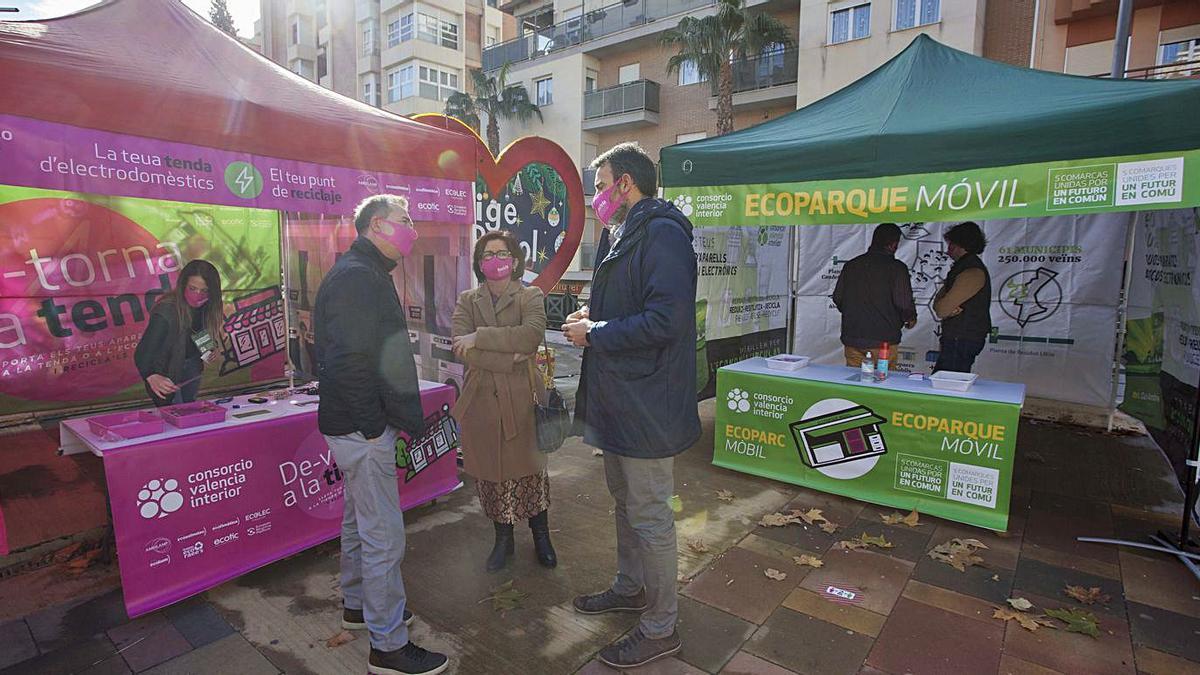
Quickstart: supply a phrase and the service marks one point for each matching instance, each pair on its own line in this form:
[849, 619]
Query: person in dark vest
[874, 295]
[964, 302]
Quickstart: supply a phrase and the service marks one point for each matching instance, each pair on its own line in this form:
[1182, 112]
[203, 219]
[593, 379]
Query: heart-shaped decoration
[534, 190]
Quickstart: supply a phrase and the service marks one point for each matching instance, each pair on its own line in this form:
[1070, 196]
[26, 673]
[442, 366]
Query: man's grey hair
[379, 205]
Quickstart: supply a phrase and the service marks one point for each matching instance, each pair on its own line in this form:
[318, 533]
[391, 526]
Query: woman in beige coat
[498, 328]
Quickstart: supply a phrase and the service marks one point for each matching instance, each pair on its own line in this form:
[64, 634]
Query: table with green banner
[899, 443]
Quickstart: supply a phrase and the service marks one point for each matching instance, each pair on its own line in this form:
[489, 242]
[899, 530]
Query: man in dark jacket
[637, 396]
[369, 393]
[874, 295]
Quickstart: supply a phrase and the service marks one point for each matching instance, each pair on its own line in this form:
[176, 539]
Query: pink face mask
[497, 269]
[402, 237]
[195, 299]
[606, 204]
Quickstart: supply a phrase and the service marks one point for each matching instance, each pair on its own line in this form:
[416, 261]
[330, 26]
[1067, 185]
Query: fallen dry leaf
[850, 545]
[776, 520]
[340, 639]
[1087, 596]
[828, 527]
[775, 574]
[1077, 620]
[1020, 604]
[810, 516]
[808, 560]
[726, 496]
[958, 553]
[698, 546]
[879, 542]
[675, 503]
[912, 520]
[1027, 621]
[505, 597]
[995, 577]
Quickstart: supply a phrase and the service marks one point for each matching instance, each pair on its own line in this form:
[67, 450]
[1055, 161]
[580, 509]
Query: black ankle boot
[540, 524]
[503, 547]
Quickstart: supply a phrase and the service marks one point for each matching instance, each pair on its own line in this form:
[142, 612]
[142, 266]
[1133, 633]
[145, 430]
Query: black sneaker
[608, 601]
[352, 619]
[408, 660]
[635, 649]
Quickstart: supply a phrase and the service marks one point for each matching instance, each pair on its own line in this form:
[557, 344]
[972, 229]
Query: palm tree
[712, 42]
[495, 98]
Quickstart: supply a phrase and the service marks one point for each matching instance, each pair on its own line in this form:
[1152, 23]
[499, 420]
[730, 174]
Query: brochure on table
[898, 443]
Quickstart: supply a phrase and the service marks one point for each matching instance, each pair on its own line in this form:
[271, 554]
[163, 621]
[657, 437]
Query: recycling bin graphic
[839, 437]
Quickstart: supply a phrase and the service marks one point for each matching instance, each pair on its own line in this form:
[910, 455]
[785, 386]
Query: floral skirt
[517, 499]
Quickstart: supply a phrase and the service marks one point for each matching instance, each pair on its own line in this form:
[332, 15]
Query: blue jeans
[958, 354]
[372, 535]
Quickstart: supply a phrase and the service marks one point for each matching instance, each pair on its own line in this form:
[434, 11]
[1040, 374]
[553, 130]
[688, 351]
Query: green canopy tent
[936, 135]
[933, 108]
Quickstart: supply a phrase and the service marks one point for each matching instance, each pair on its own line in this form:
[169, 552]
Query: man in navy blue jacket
[637, 396]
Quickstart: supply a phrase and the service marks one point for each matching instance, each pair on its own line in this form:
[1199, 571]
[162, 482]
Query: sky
[245, 12]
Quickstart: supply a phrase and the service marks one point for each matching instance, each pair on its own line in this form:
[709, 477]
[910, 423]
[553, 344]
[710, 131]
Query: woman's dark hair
[967, 236]
[214, 309]
[510, 242]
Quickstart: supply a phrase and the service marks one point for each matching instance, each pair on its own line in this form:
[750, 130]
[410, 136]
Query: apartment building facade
[1078, 37]
[600, 72]
[405, 56]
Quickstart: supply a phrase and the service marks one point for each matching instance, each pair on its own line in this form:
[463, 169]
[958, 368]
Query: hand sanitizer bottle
[868, 368]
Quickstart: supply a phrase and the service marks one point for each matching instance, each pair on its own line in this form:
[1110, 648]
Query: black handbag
[551, 416]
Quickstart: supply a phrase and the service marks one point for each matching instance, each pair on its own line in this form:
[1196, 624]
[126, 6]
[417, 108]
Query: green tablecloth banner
[899, 443]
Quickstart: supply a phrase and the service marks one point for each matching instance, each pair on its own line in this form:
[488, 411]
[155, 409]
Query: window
[393, 33]
[912, 13]
[490, 41]
[437, 84]
[450, 35]
[771, 60]
[428, 28]
[1179, 52]
[302, 68]
[406, 27]
[370, 90]
[296, 32]
[368, 36]
[684, 138]
[545, 90]
[400, 83]
[629, 73]
[851, 23]
[322, 66]
[689, 73]
[589, 82]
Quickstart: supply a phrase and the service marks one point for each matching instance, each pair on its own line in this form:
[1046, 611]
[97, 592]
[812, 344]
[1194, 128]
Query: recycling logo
[1030, 296]
[738, 400]
[159, 498]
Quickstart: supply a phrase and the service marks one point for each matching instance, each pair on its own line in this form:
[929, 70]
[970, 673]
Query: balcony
[1183, 70]
[763, 80]
[595, 24]
[629, 105]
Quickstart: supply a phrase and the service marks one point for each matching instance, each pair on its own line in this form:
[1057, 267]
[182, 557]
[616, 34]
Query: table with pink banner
[193, 508]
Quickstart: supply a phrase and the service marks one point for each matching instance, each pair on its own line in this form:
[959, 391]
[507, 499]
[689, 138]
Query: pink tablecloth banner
[191, 512]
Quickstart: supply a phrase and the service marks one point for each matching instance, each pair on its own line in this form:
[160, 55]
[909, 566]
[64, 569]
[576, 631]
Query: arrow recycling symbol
[1031, 298]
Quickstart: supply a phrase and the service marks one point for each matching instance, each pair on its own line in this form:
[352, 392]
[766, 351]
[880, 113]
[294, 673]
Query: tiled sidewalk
[912, 614]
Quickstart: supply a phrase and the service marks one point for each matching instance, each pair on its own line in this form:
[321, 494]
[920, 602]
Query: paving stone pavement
[912, 613]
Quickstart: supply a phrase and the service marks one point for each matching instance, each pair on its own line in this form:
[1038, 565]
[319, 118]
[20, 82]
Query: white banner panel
[1055, 292]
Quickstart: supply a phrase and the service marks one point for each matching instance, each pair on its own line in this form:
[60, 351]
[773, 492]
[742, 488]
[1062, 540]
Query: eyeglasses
[503, 255]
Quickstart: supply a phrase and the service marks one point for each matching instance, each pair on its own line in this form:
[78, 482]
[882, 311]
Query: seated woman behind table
[497, 330]
[184, 333]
